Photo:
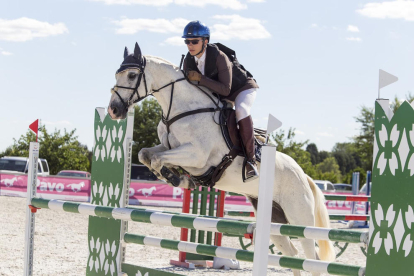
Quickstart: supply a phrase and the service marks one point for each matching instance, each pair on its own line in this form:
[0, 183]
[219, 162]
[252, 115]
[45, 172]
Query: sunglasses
[194, 42]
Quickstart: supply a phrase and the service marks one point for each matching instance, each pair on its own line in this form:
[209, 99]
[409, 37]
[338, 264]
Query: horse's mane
[162, 61]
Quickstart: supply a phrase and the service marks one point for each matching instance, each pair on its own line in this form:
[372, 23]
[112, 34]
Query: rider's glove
[194, 76]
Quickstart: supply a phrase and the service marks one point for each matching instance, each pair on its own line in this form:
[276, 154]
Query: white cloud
[175, 41]
[24, 29]
[225, 4]
[400, 9]
[356, 39]
[314, 25]
[353, 29]
[325, 134]
[156, 3]
[298, 132]
[132, 26]
[256, 1]
[239, 27]
[5, 53]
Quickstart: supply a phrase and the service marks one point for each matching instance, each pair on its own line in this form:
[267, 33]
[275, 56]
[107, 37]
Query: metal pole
[30, 217]
[368, 192]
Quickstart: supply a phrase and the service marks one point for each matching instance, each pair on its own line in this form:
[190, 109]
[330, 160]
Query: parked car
[141, 172]
[73, 173]
[343, 187]
[363, 190]
[21, 164]
[325, 185]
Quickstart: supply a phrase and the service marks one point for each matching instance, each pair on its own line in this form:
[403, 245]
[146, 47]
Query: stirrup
[254, 170]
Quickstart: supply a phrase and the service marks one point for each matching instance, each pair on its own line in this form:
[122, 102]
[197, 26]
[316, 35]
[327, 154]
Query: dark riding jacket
[220, 74]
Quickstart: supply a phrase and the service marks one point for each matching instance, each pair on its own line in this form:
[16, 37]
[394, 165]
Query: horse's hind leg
[284, 244]
[310, 251]
[301, 213]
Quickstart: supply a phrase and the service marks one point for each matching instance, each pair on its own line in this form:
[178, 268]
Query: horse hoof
[170, 176]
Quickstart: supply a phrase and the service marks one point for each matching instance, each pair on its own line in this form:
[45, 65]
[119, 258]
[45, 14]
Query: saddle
[231, 135]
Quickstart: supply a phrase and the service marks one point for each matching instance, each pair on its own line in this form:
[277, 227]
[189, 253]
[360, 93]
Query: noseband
[141, 74]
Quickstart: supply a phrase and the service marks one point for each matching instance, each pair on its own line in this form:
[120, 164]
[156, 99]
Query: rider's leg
[243, 103]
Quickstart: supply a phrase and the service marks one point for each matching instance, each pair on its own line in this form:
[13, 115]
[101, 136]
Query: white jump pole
[30, 217]
[264, 206]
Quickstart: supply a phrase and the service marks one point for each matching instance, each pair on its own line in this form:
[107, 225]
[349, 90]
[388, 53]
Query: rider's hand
[194, 76]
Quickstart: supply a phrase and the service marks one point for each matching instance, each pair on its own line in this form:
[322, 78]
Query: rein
[168, 122]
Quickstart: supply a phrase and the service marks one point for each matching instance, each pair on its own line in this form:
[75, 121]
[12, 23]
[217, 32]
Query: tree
[323, 155]
[286, 144]
[314, 154]
[328, 169]
[147, 116]
[63, 152]
[365, 140]
[346, 156]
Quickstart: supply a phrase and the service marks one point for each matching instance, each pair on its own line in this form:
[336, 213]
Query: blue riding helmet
[196, 29]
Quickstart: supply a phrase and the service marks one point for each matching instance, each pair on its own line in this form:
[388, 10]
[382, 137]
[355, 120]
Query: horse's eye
[132, 75]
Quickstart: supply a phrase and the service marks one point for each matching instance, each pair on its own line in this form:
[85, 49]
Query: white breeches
[244, 102]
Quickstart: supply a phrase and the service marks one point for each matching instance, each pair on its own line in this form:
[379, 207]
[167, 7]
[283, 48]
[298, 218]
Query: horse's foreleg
[186, 155]
[145, 155]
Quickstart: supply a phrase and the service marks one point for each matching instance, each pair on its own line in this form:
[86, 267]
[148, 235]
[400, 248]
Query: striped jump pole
[350, 217]
[332, 217]
[353, 198]
[199, 223]
[247, 256]
[362, 198]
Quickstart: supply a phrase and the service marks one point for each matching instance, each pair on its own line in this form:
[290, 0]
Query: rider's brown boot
[247, 136]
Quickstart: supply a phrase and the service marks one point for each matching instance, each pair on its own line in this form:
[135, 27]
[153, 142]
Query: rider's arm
[223, 85]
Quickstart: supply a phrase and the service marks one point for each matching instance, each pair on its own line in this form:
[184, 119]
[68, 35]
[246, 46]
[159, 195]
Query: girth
[169, 122]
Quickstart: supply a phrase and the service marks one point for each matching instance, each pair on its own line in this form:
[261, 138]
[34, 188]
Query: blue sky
[316, 62]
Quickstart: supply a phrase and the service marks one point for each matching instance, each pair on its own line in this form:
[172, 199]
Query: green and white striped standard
[247, 256]
[200, 223]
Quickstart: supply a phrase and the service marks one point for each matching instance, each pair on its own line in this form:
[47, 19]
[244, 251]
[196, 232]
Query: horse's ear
[137, 51]
[126, 52]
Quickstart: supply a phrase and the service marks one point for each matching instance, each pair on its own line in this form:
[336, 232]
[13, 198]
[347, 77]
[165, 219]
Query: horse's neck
[186, 97]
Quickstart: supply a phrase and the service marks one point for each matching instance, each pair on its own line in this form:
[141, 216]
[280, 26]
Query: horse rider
[210, 67]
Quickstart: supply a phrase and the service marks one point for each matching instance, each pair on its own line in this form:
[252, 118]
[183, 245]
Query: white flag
[272, 124]
[386, 78]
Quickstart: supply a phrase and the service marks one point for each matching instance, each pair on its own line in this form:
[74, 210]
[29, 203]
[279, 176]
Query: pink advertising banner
[50, 187]
[149, 193]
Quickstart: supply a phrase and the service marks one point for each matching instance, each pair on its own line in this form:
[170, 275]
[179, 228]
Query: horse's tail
[326, 249]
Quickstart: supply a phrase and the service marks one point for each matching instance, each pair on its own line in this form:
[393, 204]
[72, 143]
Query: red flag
[35, 127]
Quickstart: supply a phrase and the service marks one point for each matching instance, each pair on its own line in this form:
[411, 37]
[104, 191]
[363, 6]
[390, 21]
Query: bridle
[141, 74]
[165, 119]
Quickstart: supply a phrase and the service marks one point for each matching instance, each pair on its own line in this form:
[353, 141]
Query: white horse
[147, 191]
[76, 187]
[9, 182]
[197, 144]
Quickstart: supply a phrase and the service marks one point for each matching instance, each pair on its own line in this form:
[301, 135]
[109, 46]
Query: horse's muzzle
[117, 110]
